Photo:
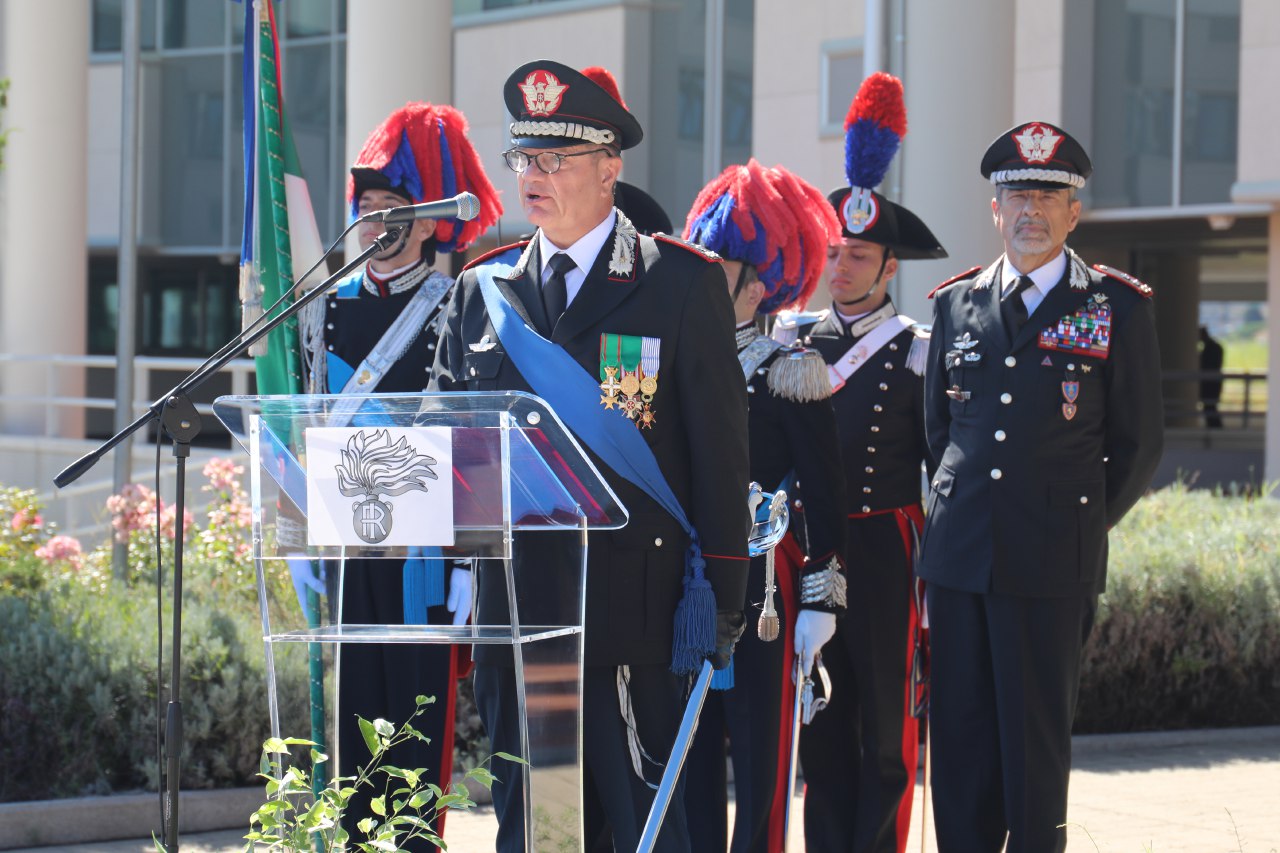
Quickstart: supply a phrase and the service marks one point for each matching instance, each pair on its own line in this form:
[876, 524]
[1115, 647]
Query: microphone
[461, 206]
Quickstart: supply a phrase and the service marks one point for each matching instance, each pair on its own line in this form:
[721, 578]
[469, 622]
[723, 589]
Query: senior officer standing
[1044, 414]
[653, 309]
[859, 754]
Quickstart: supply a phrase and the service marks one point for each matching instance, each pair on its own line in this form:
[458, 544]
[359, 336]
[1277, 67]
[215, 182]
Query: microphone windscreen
[468, 206]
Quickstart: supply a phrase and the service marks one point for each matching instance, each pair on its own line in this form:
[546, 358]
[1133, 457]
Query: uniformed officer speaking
[1044, 418]
[651, 316]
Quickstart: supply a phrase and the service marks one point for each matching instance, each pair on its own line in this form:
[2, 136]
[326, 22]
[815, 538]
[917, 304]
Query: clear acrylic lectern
[487, 477]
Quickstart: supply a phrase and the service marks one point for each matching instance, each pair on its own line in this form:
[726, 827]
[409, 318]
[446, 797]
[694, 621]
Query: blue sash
[572, 393]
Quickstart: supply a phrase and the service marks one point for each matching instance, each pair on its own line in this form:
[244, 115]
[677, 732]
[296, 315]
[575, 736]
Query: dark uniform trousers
[787, 437]
[1042, 443]
[859, 753]
[665, 290]
[383, 680]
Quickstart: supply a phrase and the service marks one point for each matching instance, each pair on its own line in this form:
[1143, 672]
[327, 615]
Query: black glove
[729, 627]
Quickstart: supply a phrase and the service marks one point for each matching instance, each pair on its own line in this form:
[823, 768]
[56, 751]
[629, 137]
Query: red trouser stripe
[788, 559]
[908, 517]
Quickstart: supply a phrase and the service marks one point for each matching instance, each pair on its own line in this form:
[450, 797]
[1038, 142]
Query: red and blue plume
[424, 149]
[772, 220]
[873, 130]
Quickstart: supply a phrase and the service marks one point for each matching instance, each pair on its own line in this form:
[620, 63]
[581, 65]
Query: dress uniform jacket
[676, 293]
[1040, 449]
[861, 750]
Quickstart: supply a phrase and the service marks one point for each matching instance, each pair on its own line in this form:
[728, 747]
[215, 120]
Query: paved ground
[1207, 792]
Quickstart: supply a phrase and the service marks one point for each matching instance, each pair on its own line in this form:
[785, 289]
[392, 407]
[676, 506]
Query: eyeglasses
[548, 162]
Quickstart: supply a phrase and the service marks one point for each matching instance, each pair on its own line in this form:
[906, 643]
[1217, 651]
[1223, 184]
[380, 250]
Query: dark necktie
[555, 291]
[1012, 309]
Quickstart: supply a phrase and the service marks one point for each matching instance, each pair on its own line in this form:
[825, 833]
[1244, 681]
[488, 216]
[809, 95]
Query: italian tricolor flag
[279, 223]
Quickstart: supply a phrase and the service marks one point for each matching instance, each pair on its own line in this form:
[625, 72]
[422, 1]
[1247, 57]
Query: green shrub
[78, 691]
[1188, 632]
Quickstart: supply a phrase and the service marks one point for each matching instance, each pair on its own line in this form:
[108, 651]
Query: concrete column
[44, 268]
[397, 51]
[1272, 448]
[950, 45]
[1176, 277]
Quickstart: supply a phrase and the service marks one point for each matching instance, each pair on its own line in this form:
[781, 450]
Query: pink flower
[223, 474]
[61, 549]
[167, 516]
[24, 518]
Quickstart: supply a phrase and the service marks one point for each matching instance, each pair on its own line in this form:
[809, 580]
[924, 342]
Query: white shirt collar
[584, 252]
[1043, 277]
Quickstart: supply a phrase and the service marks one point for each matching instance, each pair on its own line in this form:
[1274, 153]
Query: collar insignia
[542, 93]
[1037, 143]
[623, 263]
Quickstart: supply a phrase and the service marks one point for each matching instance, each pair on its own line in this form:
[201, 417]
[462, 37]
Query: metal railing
[1240, 402]
[57, 367]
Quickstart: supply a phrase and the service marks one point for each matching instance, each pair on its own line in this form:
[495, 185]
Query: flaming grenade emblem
[372, 466]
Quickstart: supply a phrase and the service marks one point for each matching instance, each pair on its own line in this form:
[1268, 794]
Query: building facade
[1173, 98]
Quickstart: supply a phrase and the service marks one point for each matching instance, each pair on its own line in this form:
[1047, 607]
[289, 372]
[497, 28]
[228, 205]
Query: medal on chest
[629, 376]
[1087, 331]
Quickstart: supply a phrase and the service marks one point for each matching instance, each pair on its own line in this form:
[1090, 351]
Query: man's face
[1034, 222]
[853, 268]
[575, 198]
[409, 247]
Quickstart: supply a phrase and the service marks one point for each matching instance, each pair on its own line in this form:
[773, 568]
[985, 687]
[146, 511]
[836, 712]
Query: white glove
[459, 603]
[304, 578]
[813, 629]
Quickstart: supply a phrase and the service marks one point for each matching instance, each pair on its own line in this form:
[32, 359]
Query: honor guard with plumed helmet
[1044, 419]
[376, 332]
[772, 228]
[612, 327]
[859, 754]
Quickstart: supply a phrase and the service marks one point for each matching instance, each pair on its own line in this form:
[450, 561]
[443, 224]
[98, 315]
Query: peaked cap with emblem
[1036, 156]
[873, 131]
[555, 105]
[421, 153]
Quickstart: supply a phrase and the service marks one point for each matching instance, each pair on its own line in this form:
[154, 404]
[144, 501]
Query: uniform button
[866, 508]
[657, 542]
[871, 450]
[866, 490]
[1006, 398]
[333, 305]
[884, 386]
[330, 347]
[875, 428]
[473, 371]
[877, 408]
[1010, 361]
[888, 365]
[1000, 436]
[893, 347]
[870, 470]
[328, 325]
[431, 345]
[996, 473]
[798, 504]
[759, 371]
[751, 389]
[1071, 367]
[1084, 499]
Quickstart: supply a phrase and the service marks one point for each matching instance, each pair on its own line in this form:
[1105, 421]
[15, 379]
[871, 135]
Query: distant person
[1210, 388]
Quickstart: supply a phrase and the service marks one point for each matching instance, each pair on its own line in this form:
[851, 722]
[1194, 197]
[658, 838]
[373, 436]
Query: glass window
[302, 20]
[739, 62]
[192, 113]
[108, 23]
[196, 23]
[1133, 103]
[674, 133]
[307, 103]
[1210, 95]
[841, 76]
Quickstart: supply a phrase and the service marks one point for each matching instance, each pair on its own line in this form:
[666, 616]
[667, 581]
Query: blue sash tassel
[423, 584]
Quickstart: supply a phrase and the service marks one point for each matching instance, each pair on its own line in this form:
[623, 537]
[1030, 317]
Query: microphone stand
[178, 416]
